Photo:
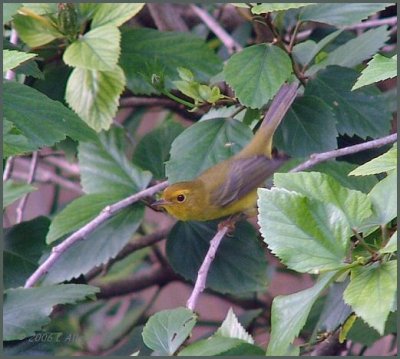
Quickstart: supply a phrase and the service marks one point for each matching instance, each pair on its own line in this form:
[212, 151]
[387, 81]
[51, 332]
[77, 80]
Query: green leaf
[31, 112]
[257, 73]
[9, 10]
[231, 328]
[355, 205]
[306, 234]
[26, 310]
[340, 14]
[14, 143]
[105, 168]
[77, 213]
[384, 163]
[42, 8]
[375, 283]
[264, 8]
[114, 14]
[339, 170]
[308, 127]
[203, 145]
[94, 95]
[98, 49]
[305, 51]
[23, 246]
[289, 314]
[13, 190]
[239, 265]
[217, 345]
[167, 51]
[355, 51]
[105, 242]
[384, 200]
[153, 149]
[391, 245]
[165, 331]
[12, 59]
[378, 69]
[358, 112]
[35, 32]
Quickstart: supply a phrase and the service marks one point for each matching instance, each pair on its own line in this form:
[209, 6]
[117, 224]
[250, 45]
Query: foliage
[130, 99]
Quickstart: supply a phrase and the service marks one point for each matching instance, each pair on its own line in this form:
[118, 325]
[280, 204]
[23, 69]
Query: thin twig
[325, 156]
[10, 75]
[293, 37]
[22, 203]
[105, 214]
[230, 43]
[205, 266]
[391, 21]
[8, 168]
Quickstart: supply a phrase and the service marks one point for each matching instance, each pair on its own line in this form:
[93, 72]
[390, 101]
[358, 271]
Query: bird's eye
[180, 197]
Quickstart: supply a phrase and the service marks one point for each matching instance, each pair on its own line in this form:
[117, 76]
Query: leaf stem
[177, 99]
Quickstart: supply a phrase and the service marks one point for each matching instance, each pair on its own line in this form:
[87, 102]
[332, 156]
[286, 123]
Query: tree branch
[205, 266]
[391, 21]
[230, 43]
[21, 206]
[325, 156]
[156, 276]
[8, 168]
[105, 214]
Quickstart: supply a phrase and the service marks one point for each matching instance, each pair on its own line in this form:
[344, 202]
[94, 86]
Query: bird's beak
[161, 202]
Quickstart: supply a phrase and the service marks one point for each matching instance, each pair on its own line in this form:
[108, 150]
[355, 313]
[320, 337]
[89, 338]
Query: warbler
[230, 187]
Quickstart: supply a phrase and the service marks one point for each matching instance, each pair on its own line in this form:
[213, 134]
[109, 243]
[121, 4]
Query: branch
[8, 168]
[105, 214]
[156, 276]
[22, 203]
[325, 156]
[230, 43]
[205, 266]
[391, 21]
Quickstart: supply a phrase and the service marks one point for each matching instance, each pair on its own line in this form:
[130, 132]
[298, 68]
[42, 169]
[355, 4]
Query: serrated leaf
[165, 331]
[289, 314]
[77, 213]
[13, 190]
[360, 112]
[231, 328]
[31, 111]
[98, 49]
[221, 346]
[256, 73]
[239, 265]
[14, 143]
[378, 69]
[384, 163]
[13, 58]
[306, 234]
[203, 145]
[375, 283]
[35, 32]
[355, 205]
[167, 51]
[105, 168]
[384, 200]
[105, 242]
[94, 95]
[340, 14]
[354, 51]
[114, 14]
[153, 149]
[27, 309]
[308, 127]
[264, 8]
[305, 51]
[23, 246]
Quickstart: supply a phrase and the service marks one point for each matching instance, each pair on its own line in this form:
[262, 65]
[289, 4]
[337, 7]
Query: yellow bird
[230, 187]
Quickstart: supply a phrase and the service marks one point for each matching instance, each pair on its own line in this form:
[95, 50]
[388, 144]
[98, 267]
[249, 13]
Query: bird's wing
[245, 174]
